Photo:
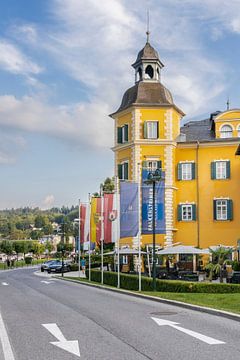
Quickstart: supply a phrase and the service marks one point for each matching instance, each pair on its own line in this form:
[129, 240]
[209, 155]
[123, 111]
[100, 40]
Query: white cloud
[96, 43]
[83, 124]
[48, 202]
[14, 61]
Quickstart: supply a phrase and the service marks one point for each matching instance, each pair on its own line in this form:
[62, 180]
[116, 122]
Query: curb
[222, 313]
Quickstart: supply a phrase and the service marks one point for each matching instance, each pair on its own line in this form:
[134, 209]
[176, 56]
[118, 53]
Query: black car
[235, 277]
[56, 266]
[46, 264]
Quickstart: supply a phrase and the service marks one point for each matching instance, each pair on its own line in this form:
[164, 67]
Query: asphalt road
[108, 326]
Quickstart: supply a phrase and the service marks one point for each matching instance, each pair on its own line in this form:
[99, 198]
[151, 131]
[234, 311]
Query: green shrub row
[130, 282]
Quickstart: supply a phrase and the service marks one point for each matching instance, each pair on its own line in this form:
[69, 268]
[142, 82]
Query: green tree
[47, 229]
[219, 258]
[40, 221]
[6, 247]
[108, 185]
[37, 248]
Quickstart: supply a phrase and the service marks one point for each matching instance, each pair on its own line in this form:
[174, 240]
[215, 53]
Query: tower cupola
[147, 65]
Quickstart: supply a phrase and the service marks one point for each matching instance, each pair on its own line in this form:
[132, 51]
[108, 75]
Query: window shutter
[157, 130]
[145, 134]
[230, 210]
[213, 170]
[227, 169]
[144, 164]
[179, 210]
[126, 132]
[179, 170]
[194, 212]
[125, 171]
[193, 171]
[159, 164]
[119, 135]
[120, 171]
[214, 209]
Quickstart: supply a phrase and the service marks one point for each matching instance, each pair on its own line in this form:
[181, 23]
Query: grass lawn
[227, 302]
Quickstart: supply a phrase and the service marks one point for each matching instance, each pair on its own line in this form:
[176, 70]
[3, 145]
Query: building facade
[200, 159]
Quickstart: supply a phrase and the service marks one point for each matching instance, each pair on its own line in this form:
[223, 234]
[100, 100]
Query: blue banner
[147, 205]
[129, 209]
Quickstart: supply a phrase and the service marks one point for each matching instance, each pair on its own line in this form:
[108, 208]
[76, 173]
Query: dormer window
[226, 131]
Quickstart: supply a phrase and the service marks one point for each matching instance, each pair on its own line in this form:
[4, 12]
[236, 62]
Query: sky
[64, 66]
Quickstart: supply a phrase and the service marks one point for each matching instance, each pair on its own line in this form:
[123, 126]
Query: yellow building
[200, 159]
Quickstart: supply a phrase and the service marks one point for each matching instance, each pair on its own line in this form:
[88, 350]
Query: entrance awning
[181, 249]
[125, 252]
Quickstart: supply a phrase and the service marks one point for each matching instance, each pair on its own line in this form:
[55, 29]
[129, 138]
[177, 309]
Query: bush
[130, 282]
[236, 265]
[28, 260]
[74, 267]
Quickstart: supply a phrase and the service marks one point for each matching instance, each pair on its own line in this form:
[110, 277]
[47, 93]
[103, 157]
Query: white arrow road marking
[46, 282]
[6, 346]
[70, 346]
[206, 339]
[5, 284]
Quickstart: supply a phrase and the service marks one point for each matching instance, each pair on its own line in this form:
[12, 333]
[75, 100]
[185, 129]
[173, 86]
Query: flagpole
[102, 231]
[139, 230]
[79, 236]
[89, 246]
[118, 230]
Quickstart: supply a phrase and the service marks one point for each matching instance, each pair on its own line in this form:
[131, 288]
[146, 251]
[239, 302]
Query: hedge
[130, 282]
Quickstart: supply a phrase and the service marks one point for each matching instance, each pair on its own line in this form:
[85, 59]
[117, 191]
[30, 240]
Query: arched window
[158, 74]
[149, 72]
[139, 74]
[238, 131]
[226, 131]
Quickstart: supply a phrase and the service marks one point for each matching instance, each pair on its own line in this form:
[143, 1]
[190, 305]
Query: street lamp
[62, 246]
[152, 179]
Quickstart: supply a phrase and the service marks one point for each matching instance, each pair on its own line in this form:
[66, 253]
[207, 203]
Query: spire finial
[147, 32]
[228, 103]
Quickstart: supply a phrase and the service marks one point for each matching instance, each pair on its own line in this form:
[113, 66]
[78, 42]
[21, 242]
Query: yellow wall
[232, 118]
[211, 232]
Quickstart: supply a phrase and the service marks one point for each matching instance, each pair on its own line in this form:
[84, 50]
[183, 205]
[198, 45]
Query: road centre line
[6, 346]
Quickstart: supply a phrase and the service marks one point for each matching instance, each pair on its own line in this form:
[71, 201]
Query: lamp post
[152, 179]
[62, 245]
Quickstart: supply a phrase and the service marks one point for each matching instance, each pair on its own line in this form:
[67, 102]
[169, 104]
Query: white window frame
[221, 209]
[152, 129]
[123, 174]
[186, 171]
[125, 260]
[124, 133]
[152, 165]
[226, 134]
[188, 210]
[221, 169]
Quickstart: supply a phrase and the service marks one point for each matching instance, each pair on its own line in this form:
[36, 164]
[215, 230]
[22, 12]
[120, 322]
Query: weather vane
[147, 32]
[228, 103]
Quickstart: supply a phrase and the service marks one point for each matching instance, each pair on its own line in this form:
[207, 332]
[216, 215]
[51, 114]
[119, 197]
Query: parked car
[235, 277]
[56, 266]
[45, 265]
